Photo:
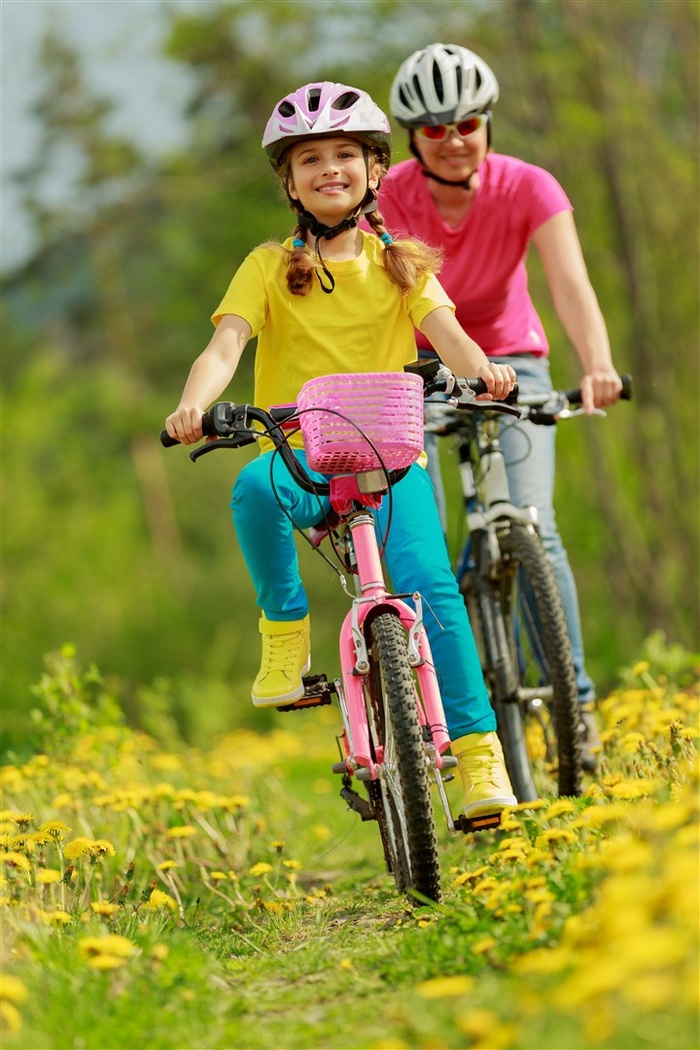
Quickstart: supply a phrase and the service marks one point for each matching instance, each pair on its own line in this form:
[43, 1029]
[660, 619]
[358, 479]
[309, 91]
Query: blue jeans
[529, 452]
[416, 558]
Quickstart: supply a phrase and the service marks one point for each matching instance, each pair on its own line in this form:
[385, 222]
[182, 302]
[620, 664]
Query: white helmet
[442, 84]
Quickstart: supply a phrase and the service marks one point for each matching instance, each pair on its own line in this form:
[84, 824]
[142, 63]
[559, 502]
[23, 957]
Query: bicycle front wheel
[401, 793]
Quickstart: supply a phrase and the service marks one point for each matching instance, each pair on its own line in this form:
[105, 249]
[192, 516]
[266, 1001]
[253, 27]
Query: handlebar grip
[574, 396]
[166, 441]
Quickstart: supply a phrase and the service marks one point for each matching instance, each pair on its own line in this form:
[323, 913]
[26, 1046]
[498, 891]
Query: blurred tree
[138, 565]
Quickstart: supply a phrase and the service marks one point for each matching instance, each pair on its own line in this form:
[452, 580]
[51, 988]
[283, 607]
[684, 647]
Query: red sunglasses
[463, 129]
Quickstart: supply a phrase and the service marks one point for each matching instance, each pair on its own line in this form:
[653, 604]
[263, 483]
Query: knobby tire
[520, 616]
[401, 796]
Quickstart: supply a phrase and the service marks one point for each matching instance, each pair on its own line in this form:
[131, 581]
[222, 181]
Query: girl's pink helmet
[326, 109]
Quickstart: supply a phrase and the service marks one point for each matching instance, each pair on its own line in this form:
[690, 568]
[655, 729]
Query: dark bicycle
[511, 594]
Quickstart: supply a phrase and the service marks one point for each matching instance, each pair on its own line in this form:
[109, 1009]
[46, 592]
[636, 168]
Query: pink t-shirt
[483, 271]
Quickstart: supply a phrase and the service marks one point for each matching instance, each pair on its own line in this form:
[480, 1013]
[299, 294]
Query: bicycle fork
[361, 760]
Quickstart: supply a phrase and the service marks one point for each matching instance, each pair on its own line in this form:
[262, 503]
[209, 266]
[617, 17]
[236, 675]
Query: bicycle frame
[486, 495]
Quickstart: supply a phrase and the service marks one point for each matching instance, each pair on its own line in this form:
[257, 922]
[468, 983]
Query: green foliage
[128, 551]
[72, 702]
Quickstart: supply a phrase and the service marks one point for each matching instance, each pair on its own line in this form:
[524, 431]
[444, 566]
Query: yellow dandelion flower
[40, 838]
[167, 865]
[111, 944]
[77, 847]
[22, 820]
[262, 868]
[512, 843]
[10, 1017]
[218, 875]
[58, 917]
[555, 836]
[181, 831]
[62, 801]
[12, 989]
[273, 907]
[510, 854]
[485, 944]
[232, 875]
[640, 668]
[160, 952]
[346, 964]
[158, 900]
[101, 848]
[543, 961]
[558, 808]
[236, 802]
[56, 829]
[16, 860]
[596, 816]
[538, 803]
[445, 987]
[477, 1023]
[484, 885]
[105, 962]
[105, 908]
[294, 864]
[165, 762]
[631, 789]
[48, 875]
[278, 845]
[468, 876]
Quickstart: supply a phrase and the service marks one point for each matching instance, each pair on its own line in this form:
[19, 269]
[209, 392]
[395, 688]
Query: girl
[335, 299]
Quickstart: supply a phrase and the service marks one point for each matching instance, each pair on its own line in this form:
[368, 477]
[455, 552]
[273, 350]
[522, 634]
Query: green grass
[225, 898]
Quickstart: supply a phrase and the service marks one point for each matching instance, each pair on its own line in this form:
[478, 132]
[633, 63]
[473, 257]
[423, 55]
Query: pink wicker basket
[339, 412]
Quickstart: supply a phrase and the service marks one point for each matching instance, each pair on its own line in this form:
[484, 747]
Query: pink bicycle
[363, 431]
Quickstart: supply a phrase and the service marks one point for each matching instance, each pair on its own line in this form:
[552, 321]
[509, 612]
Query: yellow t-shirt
[364, 325]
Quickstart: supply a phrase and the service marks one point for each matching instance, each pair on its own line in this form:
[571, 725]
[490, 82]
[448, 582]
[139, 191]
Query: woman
[484, 209]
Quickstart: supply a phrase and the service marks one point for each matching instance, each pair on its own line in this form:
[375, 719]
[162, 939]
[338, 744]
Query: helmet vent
[314, 99]
[437, 81]
[346, 100]
[286, 109]
[419, 93]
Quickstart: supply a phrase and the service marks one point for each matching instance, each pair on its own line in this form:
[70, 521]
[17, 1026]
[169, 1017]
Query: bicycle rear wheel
[526, 656]
[401, 793]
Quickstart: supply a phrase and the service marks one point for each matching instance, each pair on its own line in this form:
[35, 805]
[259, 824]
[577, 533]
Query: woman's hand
[500, 380]
[185, 424]
[602, 387]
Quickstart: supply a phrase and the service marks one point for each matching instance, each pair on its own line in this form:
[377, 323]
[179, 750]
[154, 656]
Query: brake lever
[237, 441]
[468, 400]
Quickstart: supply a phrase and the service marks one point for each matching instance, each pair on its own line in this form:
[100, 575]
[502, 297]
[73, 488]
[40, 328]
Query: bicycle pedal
[318, 692]
[470, 824]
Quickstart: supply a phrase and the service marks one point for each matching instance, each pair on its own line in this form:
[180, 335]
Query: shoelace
[281, 653]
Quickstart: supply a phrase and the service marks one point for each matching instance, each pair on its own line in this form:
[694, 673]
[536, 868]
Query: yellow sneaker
[286, 656]
[483, 770]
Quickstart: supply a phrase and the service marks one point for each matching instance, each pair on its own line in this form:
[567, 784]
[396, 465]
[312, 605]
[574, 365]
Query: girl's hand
[500, 380]
[185, 424]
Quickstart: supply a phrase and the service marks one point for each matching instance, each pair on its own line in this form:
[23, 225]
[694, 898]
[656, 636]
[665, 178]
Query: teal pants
[416, 559]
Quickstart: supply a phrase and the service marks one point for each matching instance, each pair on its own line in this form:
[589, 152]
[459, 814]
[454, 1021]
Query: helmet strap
[320, 231]
[463, 183]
